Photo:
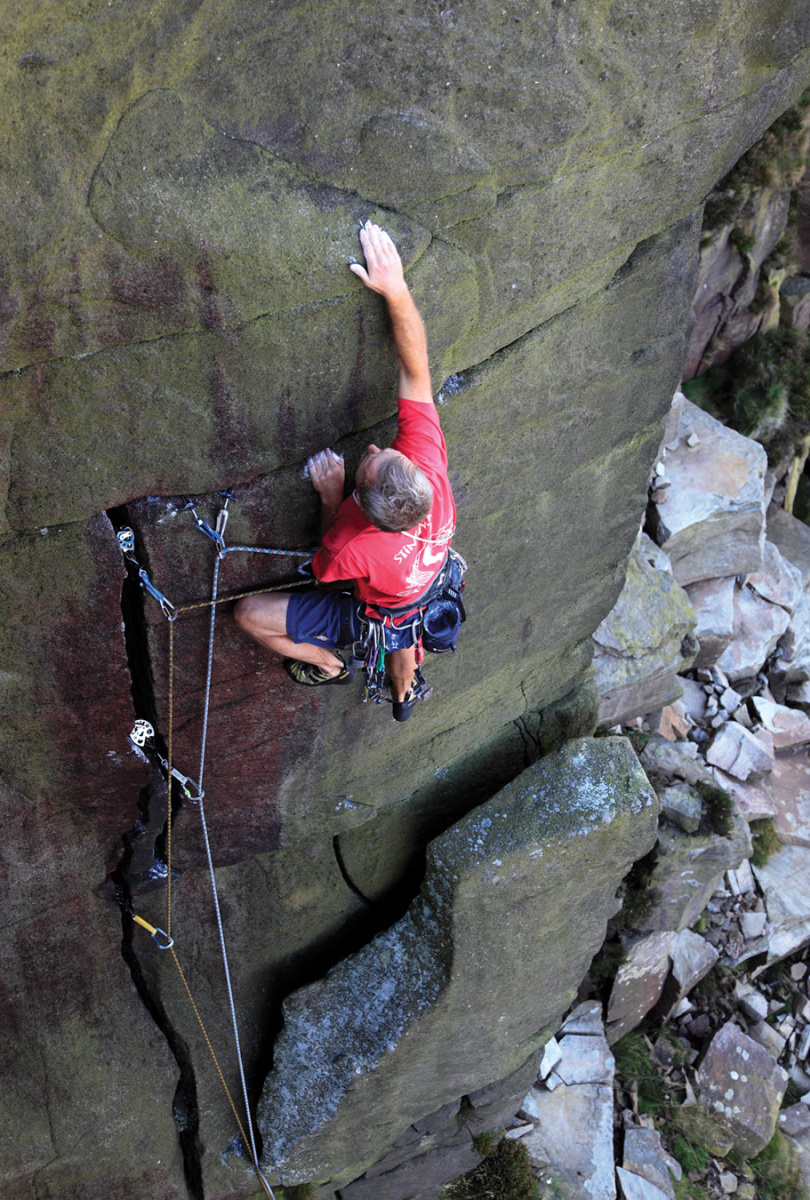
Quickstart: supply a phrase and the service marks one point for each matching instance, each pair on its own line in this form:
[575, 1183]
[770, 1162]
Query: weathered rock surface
[713, 602]
[645, 640]
[639, 983]
[176, 315]
[408, 1006]
[713, 524]
[742, 1087]
[688, 869]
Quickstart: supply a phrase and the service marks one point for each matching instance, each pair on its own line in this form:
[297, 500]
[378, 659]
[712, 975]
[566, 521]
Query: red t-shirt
[392, 568]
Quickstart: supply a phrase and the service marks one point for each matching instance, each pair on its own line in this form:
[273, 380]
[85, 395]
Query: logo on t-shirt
[430, 555]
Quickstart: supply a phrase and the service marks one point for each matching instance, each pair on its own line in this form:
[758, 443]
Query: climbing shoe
[311, 676]
[404, 708]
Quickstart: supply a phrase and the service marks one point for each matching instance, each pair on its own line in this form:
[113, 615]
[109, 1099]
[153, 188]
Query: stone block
[585, 1058]
[645, 1156]
[739, 753]
[641, 646]
[713, 602]
[689, 868]
[573, 1140]
[742, 1086]
[454, 972]
[682, 806]
[789, 788]
[713, 525]
[692, 958]
[639, 983]
[788, 726]
[785, 883]
[636, 1187]
[757, 627]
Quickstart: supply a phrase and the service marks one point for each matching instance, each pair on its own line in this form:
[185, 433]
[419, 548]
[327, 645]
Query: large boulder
[514, 904]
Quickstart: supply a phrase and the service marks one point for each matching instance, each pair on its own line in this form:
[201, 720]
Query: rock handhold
[713, 525]
[742, 1086]
[388, 1031]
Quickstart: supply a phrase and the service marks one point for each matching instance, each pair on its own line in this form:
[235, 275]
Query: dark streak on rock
[150, 285]
[230, 433]
[211, 316]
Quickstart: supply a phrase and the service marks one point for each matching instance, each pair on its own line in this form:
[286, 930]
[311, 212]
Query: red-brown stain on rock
[36, 331]
[149, 285]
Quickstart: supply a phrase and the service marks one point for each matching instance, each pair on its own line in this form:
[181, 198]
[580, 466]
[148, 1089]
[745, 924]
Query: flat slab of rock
[636, 1187]
[757, 627]
[752, 796]
[713, 524]
[789, 727]
[585, 1058]
[785, 883]
[645, 1156]
[573, 1140]
[739, 752]
[513, 907]
[585, 1018]
[789, 787]
[742, 1086]
[713, 602]
[639, 983]
[692, 959]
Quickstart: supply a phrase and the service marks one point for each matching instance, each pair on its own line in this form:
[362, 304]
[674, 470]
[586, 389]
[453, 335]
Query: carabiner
[155, 933]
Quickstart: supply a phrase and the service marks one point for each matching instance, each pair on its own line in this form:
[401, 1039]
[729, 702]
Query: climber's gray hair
[399, 498]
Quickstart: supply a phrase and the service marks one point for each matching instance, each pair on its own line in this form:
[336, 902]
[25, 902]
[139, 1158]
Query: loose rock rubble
[716, 923]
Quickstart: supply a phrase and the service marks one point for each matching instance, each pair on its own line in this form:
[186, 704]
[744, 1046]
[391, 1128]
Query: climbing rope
[143, 734]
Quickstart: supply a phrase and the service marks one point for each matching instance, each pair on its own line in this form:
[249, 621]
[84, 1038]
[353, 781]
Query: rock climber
[389, 539]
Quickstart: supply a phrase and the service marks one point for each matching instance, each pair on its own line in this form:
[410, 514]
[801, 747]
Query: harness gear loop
[156, 934]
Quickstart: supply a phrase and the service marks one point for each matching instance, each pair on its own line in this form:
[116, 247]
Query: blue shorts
[323, 618]
[332, 620]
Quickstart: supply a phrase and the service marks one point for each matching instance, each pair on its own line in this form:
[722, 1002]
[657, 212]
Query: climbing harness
[431, 623]
[143, 737]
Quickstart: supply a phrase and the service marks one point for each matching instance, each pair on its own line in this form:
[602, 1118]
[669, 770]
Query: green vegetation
[763, 390]
[504, 1174]
[298, 1191]
[765, 841]
[637, 897]
[637, 1070]
[717, 808]
[776, 1171]
[776, 160]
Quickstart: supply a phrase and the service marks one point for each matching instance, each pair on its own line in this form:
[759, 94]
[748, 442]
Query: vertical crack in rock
[142, 867]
